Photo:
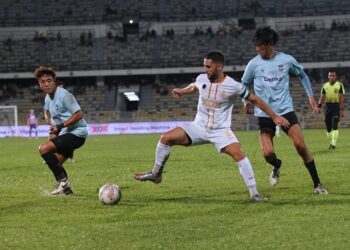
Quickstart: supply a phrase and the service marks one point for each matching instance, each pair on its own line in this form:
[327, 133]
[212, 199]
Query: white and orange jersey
[215, 102]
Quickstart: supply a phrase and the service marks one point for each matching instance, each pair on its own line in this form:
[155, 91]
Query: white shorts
[219, 137]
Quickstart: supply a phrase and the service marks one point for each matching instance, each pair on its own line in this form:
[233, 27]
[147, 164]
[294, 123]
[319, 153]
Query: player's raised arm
[278, 120]
[178, 92]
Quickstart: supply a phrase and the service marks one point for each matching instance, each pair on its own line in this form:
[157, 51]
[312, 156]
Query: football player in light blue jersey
[212, 123]
[68, 128]
[270, 71]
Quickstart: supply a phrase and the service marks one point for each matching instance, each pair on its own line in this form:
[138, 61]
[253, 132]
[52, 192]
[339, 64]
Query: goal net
[8, 121]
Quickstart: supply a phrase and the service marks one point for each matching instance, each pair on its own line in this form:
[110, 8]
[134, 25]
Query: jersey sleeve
[295, 67]
[200, 81]
[46, 104]
[248, 75]
[70, 103]
[242, 90]
[341, 90]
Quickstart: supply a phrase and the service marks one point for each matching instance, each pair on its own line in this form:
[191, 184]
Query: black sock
[54, 165]
[313, 172]
[65, 172]
[273, 160]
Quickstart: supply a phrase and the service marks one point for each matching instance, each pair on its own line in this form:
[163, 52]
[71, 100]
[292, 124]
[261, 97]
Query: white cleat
[274, 176]
[62, 188]
[320, 190]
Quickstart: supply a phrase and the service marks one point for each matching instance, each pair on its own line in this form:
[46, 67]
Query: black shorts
[332, 114]
[267, 123]
[67, 143]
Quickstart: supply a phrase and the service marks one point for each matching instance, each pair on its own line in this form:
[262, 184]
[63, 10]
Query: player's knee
[166, 139]
[238, 156]
[235, 151]
[43, 149]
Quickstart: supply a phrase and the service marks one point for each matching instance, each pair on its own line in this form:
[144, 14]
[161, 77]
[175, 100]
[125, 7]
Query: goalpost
[9, 119]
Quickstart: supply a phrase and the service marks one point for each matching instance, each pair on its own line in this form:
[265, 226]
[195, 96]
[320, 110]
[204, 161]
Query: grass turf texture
[202, 202]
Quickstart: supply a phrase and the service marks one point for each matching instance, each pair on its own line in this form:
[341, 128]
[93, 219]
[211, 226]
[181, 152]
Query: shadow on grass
[322, 152]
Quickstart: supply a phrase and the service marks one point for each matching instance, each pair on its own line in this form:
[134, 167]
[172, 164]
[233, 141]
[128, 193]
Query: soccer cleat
[62, 188]
[320, 190]
[258, 198]
[331, 146]
[148, 176]
[275, 174]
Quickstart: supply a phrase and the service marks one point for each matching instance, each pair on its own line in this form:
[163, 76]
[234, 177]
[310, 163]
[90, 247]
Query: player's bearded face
[211, 69]
[47, 84]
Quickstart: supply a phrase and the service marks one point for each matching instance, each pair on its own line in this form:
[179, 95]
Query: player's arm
[55, 129]
[247, 78]
[305, 81]
[248, 106]
[47, 116]
[278, 120]
[190, 89]
[322, 98]
[341, 101]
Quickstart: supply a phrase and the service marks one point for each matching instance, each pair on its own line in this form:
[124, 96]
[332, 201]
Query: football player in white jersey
[269, 71]
[212, 123]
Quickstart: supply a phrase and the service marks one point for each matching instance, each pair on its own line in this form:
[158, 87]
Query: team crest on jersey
[204, 86]
[280, 67]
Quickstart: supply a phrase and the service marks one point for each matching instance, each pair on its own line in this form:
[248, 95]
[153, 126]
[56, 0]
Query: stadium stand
[163, 51]
[87, 36]
[69, 12]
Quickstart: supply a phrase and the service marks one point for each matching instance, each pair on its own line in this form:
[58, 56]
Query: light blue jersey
[271, 81]
[61, 108]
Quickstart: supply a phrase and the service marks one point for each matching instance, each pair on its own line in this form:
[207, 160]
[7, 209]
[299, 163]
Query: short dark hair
[265, 36]
[216, 56]
[41, 70]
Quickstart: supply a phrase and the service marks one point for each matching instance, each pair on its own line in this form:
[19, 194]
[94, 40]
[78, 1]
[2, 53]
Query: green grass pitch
[202, 202]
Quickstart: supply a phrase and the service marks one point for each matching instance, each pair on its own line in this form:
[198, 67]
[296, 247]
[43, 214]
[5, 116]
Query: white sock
[246, 170]
[278, 131]
[162, 155]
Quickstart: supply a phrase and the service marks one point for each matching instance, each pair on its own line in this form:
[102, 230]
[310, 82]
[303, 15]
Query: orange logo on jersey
[222, 94]
[210, 103]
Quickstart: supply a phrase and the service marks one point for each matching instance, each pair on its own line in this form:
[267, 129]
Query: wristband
[59, 127]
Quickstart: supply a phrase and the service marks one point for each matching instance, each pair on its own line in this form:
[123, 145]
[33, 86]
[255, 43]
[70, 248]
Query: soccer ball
[109, 194]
